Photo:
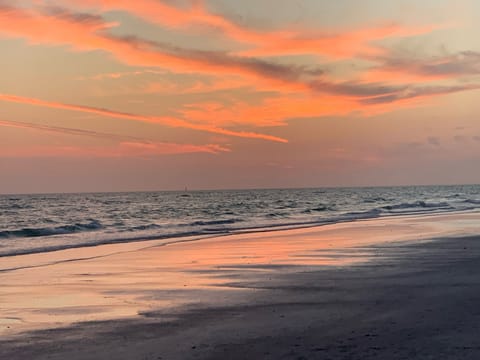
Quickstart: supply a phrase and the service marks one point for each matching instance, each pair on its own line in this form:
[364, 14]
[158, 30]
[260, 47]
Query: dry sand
[378, 289]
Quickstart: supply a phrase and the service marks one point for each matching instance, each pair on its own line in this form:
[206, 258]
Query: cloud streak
[161, 120]
[299, 90]
[138, 146]
[87, 32]
[419, 92]
[67, 131]
[289, 41]
[91, 32]
[402, 67]
[122, 150]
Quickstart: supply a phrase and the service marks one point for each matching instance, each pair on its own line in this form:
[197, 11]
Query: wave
[319, 208]
[50, 231]
[203, 231]
[214, 222]
[274, 215]
[119, 240]
[145, 227]
[170, 237]
[11, 207]
[361, 215]
[204, 214]
[374, 200]
[416, 204]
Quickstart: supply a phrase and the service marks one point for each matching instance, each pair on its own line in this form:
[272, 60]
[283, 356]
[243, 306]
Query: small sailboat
[185, 193]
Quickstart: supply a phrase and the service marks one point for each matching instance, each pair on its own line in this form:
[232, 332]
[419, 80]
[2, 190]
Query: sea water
[42, 223]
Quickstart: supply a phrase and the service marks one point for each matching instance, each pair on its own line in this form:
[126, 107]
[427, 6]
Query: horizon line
[234, 189]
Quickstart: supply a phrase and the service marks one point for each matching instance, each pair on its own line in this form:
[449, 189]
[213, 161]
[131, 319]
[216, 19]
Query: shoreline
[178, 238]
[220, 282]
[85, 251]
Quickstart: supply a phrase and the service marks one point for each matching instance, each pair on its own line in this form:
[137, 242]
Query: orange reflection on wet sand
[120, 281]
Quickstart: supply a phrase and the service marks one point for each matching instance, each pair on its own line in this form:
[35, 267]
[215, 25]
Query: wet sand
[398, 288]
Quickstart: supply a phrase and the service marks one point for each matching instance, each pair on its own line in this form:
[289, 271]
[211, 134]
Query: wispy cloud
[419, 92]
[89, 32]
[119, 75]
[125, 145]
[67, 131]
[288, 41]
[161, 120]
[298, 90]
[405, 67]
[122, 150]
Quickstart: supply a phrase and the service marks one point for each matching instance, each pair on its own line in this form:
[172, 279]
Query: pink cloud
[127, 149]
[127, 145]
[161, 120]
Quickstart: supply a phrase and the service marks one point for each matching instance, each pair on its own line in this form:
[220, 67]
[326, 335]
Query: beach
[239, 180]
[400, 287]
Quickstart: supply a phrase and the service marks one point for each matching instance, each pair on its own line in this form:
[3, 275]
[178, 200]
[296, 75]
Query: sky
[119, 95]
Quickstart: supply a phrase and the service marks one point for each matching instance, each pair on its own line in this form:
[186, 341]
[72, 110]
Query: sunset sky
[117, 95]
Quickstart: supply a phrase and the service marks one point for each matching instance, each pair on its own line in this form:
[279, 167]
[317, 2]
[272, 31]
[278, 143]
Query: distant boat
[185, 194]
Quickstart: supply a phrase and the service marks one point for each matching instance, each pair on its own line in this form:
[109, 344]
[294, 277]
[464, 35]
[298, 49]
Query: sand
[397, 288]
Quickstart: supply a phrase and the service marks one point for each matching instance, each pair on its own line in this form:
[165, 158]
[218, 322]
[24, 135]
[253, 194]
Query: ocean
[43, 223]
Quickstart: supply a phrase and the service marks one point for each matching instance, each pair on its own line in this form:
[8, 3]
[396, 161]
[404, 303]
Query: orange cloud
[334, 44]
[89, 32]
[271, 112]
[306, 91]
[213, 84]
[162, 120]
[265, 43]
[398, 76]
[275, 111]
[158, 12]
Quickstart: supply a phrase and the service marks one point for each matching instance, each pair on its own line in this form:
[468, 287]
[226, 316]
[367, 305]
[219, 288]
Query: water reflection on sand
[120, 281]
